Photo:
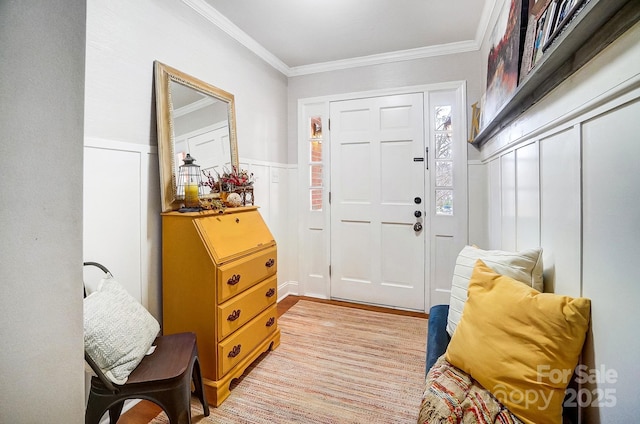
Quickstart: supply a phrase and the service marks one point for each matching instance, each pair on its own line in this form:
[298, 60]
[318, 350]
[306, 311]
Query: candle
[191, 199]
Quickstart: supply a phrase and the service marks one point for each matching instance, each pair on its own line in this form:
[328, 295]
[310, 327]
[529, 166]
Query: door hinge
[329, 197]
[329, 271]
[329, 120]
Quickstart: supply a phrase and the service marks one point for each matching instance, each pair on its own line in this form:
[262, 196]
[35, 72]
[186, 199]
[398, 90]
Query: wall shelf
[596, 26]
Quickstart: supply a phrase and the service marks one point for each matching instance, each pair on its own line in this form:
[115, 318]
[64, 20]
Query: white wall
[41, 126]
[432, 70]
[564, 175]
[122, 206]
[123, 40]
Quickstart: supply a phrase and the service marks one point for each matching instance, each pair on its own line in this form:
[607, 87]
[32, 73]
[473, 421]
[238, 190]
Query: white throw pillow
[524, 266]
[118, 330]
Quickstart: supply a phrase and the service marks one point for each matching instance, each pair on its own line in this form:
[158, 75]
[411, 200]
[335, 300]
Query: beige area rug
[334, 365]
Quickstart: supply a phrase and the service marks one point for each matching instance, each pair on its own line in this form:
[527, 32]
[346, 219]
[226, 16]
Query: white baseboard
[288, 288]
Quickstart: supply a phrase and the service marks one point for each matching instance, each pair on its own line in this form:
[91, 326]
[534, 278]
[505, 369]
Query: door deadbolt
[417, 200]
[417, 214]
[417, 227]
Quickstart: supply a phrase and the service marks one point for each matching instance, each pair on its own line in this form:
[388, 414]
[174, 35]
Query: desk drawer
[243, 342]
[237, 276]
[240, 309]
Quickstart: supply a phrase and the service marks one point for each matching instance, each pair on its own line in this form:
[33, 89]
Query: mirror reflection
[201, 128]
[194, 118]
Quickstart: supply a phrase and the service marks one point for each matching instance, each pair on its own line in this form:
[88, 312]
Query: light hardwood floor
[145, 411]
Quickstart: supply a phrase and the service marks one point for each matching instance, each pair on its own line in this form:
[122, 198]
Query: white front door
[377, 189]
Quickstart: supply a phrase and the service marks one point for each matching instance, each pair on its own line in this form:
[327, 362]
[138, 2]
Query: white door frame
[314, 227]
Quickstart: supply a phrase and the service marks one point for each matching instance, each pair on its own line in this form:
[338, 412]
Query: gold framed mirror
[194, 118]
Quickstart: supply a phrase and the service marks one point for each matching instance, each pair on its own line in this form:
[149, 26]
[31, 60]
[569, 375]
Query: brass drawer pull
[270, 263]
[270, 292]
[234, 279]
[235, 351]
[270, 322]
[234, 315]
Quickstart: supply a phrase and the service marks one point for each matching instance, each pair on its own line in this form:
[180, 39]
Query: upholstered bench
[437, 336]
[437, 341]
[497, 343]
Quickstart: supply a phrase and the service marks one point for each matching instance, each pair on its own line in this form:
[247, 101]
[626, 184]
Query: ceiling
[306, 36]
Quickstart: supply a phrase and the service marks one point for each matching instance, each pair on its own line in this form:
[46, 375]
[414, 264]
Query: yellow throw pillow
[520, 344]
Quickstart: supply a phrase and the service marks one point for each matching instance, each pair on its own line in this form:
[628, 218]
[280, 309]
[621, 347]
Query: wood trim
[288, 303]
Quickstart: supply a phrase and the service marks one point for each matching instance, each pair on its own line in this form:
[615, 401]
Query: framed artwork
[541, 25]
[549, 24]
[527, 51]
[504, 59]
[564, 11]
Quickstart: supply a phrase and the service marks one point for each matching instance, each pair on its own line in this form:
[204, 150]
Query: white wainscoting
[569, 181]
[122, 227]
[121, 220]
[121, 215]
[576, 193]
[478, 204]
[274, 188]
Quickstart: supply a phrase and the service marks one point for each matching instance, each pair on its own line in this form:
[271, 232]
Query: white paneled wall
[116, 226]
[477, 197]
[494, 220]
[569, 181]
[575, 191]
[273, 187]
[122, 223]
[528, 197]
[508, 201]
[611, 229]
[560, 216]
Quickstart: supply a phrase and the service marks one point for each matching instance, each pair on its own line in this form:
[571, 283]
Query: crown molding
[212, 15]
[377, 59]
[485, 21]
[192, 107]
[219, 20]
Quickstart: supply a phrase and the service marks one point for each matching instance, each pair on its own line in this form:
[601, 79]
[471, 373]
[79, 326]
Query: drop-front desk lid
[234, 233]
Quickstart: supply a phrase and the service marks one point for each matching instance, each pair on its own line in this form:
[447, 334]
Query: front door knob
[417, 227]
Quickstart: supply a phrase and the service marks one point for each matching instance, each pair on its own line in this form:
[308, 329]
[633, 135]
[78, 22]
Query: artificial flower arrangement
[228, 181]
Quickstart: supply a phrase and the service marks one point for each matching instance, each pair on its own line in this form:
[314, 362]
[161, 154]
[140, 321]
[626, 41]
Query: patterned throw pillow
[118, 330]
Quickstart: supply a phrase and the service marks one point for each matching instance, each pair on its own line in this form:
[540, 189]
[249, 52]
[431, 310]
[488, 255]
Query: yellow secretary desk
[219, 281]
